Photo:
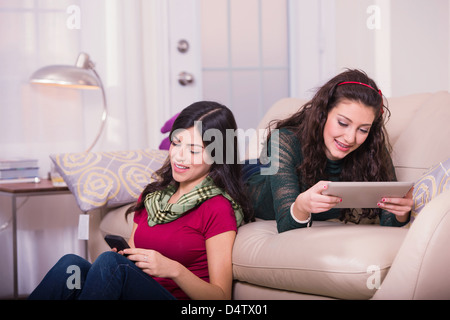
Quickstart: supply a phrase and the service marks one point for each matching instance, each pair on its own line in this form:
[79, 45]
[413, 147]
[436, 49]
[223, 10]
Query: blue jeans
[111, 277]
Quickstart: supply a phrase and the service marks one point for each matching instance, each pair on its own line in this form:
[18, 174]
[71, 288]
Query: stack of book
[19, 170]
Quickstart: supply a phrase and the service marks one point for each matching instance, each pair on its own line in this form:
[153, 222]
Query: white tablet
[366, 194]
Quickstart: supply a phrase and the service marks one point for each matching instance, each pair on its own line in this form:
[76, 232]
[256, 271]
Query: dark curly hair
[225, 174]
[371, 161]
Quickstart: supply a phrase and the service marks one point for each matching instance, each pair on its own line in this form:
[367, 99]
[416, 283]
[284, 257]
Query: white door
[237, 54]
[185, 79]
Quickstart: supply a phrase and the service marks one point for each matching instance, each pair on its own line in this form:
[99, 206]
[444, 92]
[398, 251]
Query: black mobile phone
[116, 242]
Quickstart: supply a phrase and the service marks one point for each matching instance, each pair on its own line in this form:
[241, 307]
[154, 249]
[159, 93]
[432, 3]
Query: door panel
[184, 25]
[241, 54]
[245, 55]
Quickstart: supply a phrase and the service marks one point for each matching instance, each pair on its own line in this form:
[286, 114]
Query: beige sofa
[332, 260]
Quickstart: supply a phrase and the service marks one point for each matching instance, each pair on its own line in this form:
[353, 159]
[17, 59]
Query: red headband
[366, 85]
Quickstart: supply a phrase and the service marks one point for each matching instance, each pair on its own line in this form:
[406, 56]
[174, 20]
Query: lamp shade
[67, 76]
[80, 76]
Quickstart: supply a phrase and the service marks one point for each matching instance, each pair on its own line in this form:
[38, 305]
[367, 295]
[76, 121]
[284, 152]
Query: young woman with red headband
[337, 136]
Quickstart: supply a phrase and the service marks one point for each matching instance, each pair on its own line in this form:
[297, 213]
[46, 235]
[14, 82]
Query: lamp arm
[104, 115]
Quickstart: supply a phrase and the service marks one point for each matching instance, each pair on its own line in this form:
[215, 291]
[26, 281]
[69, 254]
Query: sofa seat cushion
[329, 259]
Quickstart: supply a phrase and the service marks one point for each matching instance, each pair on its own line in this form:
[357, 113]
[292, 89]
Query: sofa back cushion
[424, 140]
[402, 111]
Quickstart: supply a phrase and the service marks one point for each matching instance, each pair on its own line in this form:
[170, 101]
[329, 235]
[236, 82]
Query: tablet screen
[366, 194]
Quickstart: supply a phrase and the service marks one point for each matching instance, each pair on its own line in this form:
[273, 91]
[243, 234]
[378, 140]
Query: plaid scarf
[160, 211]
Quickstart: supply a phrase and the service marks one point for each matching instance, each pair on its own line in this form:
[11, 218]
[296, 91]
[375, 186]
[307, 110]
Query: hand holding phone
[116, 242]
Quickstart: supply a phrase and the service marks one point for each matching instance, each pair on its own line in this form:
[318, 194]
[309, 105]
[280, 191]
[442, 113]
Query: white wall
[420, 46]
[407, 52]
[312, 44]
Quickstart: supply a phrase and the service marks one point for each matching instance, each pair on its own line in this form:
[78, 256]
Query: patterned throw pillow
[433, 182]
[108, 179]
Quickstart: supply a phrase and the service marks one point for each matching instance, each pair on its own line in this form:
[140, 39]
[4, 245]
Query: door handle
[183, 46]
[185, 78]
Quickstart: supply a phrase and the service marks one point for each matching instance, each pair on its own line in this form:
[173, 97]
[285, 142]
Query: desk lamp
[80, 76]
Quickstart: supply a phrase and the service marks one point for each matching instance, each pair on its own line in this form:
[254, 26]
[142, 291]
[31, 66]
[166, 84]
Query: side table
[15, 190]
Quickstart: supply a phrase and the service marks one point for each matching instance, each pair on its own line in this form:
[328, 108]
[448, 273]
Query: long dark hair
[225, 174]
[371, 161]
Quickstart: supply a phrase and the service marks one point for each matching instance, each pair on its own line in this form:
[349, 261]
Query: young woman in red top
[185, 223]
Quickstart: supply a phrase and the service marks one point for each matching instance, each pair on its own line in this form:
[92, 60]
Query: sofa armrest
[421, 269]
[104, 221]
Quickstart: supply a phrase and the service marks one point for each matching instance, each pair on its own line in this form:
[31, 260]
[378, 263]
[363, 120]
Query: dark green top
[272, 195]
